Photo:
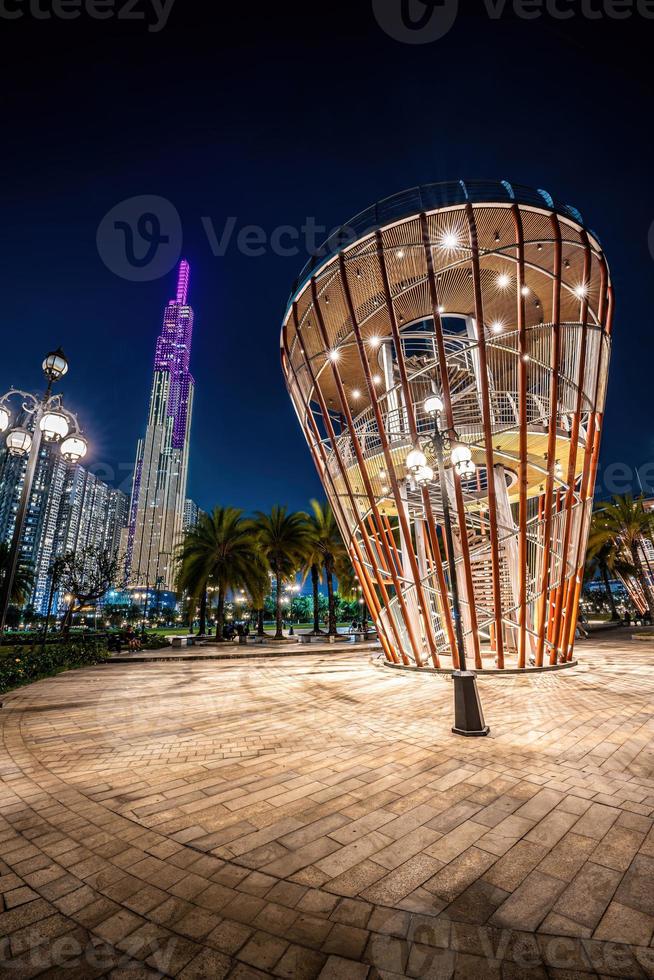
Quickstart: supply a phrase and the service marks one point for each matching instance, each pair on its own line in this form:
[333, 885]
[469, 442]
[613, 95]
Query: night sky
[272, 113]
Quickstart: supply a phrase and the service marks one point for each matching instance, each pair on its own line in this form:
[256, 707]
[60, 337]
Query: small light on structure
[376, 379]
[374, 342]
[497, 236]
[539, 247]
[433, 404]
[415, 460]
[503, 281]
[441, 310]
[334, 355]
[497, 326]
[400, 253]
[462, 459]
[424, 475]
[55, 365]
[54, 426]
[581, 290]
[19, 442]
[525, 290]
[74, 448]
[356, 393]
[450, 240]
[525, 358]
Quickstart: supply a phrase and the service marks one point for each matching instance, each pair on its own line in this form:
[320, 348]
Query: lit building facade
[69, 509]
[156, 517]
[191, 515]
[498, 301]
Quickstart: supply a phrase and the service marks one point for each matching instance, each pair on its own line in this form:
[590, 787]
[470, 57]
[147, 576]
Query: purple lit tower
[161, 468]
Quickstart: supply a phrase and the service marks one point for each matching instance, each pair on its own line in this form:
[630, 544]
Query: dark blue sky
[271, 114]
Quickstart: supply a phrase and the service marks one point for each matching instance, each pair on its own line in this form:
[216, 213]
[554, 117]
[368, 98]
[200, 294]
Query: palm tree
[618, 530]
[259, 589]
[283, 540]
[328, 548]
[220, 551]
[23, 579]
[312, 565]
[604, 559]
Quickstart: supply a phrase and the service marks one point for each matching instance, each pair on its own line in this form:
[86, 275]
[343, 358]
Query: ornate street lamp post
[468, 715]
[50, 421]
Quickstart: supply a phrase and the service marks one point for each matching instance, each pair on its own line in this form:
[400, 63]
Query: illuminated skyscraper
[160, 472]
[69, 509]
[191, 514]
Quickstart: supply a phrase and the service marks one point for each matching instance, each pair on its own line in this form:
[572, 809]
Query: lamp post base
[468, 716]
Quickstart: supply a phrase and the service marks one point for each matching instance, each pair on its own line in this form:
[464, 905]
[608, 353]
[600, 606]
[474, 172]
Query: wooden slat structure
[499, 299]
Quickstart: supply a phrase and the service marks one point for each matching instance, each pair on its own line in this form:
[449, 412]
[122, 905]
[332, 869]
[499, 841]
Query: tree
[220, 551]
[312, 566]
[23, 579]
[618, 531]
[605, 559]
[87, 576]
[327, 549]
[259, 589]
[283, 541]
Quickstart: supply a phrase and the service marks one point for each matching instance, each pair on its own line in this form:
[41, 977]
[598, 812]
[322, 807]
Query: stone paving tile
[456, 876]
[299, 963]
[529, 903]
[636, 888]
[340, 968]
[568, 856]
[352, 912]
[477, 903]
[596, 821]
[207, 963]
[347, 941]
[514, 866]
[585, 900]
[402, 880]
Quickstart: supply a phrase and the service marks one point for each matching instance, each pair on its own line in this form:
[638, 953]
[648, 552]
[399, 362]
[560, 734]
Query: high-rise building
[191, 514]
[39, 538]
[69, 509]
[156, 516]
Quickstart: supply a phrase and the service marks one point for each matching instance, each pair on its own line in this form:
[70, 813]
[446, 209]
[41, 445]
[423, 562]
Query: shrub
[25, 664]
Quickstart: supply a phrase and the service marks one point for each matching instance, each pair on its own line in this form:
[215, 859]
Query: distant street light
[50, 421]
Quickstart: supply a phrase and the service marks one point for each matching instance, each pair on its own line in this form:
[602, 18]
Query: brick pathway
[313, 816]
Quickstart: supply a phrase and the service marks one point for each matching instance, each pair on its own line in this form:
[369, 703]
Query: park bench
[181, 641]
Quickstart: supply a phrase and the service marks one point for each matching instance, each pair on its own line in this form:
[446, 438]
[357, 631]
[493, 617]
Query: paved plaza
[314, 816]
